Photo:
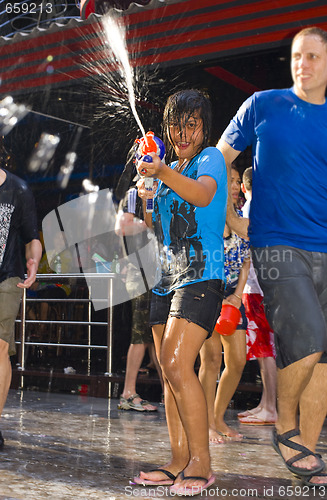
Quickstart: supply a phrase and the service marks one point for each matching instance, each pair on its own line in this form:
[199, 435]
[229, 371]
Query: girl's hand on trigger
[143, 193]
[150, 169]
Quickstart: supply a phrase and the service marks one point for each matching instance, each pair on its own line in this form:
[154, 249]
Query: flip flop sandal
[285, 439]
[160, 482]
[306, 480]
[190, 491]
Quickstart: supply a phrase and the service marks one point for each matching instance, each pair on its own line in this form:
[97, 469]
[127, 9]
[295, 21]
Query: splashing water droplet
[116, 38]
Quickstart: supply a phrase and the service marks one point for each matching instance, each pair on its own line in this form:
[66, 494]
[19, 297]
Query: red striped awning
[162, 33]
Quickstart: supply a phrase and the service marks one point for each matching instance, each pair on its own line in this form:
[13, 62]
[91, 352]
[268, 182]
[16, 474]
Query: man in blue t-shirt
[287, 130]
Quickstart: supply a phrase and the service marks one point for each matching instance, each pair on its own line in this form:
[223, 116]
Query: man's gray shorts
[294, 283]
[10, 296]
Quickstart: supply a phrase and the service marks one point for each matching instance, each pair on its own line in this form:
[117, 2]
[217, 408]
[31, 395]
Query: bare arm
[33, 253]
[199, 192]
[236, 298]
[128, 225]
[236, 223]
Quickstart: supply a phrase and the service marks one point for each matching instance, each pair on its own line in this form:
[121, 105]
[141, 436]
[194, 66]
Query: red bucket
[83, 389]
[228, 320]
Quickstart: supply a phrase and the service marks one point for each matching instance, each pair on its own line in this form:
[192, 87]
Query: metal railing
[23, 342]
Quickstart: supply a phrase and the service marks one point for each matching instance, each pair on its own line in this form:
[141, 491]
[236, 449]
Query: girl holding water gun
[188, 219]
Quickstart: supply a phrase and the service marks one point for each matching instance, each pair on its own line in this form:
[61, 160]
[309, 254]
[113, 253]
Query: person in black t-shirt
[18, 226]
[132, 228]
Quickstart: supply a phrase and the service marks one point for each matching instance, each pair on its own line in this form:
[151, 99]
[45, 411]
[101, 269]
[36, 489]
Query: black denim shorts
[198, 303]
[294, 283]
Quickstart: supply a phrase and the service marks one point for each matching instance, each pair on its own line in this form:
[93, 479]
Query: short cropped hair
[247, 178]
[312, 30]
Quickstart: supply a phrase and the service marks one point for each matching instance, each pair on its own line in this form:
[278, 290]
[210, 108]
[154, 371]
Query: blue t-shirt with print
[289, 148]
[190, 238]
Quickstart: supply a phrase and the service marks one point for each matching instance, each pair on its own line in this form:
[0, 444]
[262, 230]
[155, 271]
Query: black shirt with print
[18, 225]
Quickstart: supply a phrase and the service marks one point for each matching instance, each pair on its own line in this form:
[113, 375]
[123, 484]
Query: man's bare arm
[33, 253]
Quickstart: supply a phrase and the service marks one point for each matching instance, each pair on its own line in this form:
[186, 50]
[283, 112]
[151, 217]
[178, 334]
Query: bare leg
[314, 402]
[268, 373]
[235, 359]
[211, 355]
[179, 449]
[299, 382]
[135, 357]
[5, 373]
[154, 362]
[181, 344]
[266, 410]
[187, 417]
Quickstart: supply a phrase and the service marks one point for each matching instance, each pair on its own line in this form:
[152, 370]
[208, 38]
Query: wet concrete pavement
[65, 447]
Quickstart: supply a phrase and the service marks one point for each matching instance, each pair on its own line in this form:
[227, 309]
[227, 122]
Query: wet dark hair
[180, 107]
[312, 30]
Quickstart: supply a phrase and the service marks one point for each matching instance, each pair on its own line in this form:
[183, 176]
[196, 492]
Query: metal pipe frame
[89, 346]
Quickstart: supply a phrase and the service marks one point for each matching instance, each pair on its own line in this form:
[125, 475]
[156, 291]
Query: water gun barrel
[149, 144]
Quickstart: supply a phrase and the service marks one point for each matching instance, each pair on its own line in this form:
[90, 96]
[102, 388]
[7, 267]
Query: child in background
[130, 225]
[260, 337]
